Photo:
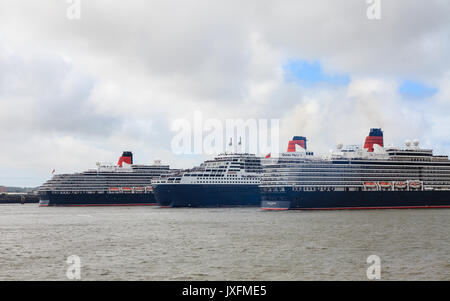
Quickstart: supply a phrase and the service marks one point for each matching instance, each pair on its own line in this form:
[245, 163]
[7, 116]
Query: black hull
[208, 195]
[323, 200]
[97, 199]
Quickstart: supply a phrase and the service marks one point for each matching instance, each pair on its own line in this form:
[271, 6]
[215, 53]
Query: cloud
[73, 92]
[346, 115]
[45, 93]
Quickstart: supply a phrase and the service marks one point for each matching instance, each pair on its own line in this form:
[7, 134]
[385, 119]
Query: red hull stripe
[91, 205]
[356, 208]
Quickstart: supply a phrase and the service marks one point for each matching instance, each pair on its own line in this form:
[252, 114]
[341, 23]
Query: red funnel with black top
[375, 137]
[126, 157]
[297, 140]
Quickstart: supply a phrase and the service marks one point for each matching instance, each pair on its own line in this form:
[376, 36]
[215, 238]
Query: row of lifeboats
[397, 185]
[131, 189]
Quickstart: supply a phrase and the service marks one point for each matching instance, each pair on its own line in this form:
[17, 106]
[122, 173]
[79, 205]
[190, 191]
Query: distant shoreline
[18, 198]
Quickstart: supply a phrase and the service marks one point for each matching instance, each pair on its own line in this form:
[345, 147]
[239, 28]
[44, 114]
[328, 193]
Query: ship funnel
[297, 140]
[127, 157]
[375, 137]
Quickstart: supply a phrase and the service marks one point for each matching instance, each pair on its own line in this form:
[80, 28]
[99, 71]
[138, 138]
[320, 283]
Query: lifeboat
[370, 184]
[415, 184]
[114, 189]
[385, 185]
[126, 189]
[400, 185]
[149, 188]
[138, 189]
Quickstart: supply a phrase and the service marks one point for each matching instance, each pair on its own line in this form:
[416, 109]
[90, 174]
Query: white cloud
[75, 92]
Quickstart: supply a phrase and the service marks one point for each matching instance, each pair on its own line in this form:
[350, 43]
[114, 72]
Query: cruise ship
[124, 184]
[357, 177]
[229, 180]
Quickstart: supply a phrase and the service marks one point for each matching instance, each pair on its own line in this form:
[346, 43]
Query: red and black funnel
[375, 137]
[297, 140]
[126, 157]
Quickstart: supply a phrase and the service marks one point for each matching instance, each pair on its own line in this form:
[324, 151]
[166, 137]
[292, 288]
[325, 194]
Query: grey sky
[73, 92]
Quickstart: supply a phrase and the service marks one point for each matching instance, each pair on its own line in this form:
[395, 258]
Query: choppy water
[149, 243]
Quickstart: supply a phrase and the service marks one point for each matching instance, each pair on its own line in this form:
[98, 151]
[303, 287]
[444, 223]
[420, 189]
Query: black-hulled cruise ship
[123, 184]
[355, 177]
[229, 180]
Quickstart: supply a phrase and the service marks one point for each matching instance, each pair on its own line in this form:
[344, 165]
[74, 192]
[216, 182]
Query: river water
[150, 243]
